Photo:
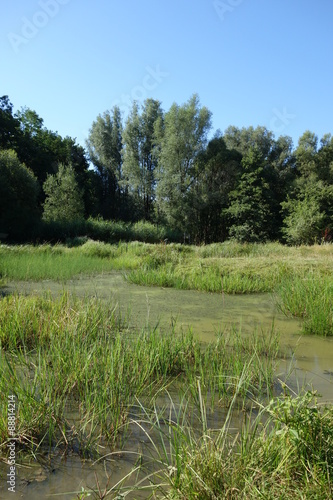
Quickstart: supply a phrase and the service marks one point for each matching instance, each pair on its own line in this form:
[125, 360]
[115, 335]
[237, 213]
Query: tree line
[161, 167]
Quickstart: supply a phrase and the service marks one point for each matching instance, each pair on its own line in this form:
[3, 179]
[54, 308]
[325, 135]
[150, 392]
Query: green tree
[244, 139]
[139, 158]
[305, 153]
[10, 133]
[278, 167]
[324, 159]
[64, 200]
[249, 211]
[183, 142]
[42, 150]
[308, 211]
[18, 196]
[218, 172]
[104, 148]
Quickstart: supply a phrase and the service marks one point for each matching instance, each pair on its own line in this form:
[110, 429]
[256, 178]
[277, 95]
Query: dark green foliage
[218, 171]
[139, 155]
[160, 167]
[18, 196]
[249, 211]
[10, 133]
[102, 230]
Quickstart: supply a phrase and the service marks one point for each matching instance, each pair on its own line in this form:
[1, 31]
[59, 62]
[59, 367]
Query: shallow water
[206, 313]
[311, 357]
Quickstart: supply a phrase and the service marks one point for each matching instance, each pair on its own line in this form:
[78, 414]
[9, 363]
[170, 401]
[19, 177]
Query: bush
[303, 225]
[101, 230]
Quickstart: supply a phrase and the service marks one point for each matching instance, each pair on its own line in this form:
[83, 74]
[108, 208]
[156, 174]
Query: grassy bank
[61, 262]
[228, 267]
[311, 299]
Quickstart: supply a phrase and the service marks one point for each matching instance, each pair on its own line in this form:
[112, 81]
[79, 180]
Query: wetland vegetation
[299, 277]
[86, 382]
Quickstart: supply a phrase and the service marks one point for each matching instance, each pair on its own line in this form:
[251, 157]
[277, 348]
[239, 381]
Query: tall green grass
[77, 371]
[61, 263]
[229, 267]
[285, 451]
[216, 277]
[311, 299]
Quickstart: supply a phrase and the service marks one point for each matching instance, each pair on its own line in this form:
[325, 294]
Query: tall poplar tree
[183, 141]
[104, 149]
[139, 158]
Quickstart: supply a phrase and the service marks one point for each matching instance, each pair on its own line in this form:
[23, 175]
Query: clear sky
[252, 62]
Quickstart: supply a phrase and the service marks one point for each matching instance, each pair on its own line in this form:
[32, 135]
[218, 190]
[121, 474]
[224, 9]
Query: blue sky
[252, 62]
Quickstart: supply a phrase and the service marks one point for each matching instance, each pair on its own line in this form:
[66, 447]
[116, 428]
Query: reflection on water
[312, 357]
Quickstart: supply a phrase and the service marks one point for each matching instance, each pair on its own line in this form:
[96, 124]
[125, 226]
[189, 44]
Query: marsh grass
[212, 276]
[230, 267]
[298, 276]
[82, 379]
[285, 451]
[61, 263]
[311, 299]
[77, 370]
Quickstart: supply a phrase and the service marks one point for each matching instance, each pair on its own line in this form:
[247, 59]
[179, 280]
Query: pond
[206, 314]
[311, 357]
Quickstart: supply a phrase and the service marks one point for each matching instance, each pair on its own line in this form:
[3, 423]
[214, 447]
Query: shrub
[303, 225]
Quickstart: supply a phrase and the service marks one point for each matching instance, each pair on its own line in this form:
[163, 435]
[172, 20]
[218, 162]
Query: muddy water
[311, 357]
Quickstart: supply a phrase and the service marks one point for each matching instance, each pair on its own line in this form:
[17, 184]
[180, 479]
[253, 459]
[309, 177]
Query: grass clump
[70, 351]
[309, 298]
[286, 451]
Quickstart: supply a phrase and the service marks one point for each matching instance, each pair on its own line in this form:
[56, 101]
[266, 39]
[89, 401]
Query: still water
[310, 357]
